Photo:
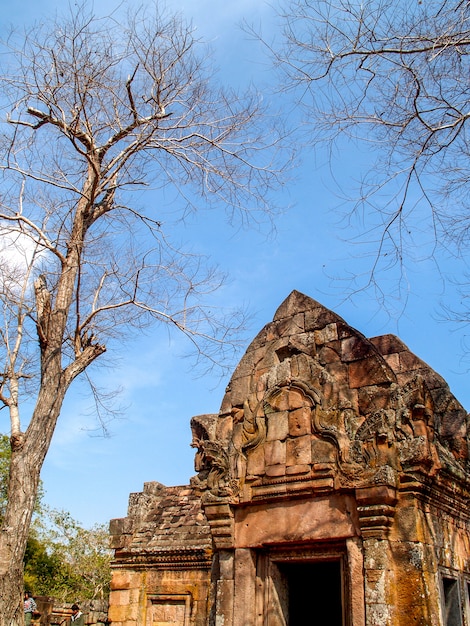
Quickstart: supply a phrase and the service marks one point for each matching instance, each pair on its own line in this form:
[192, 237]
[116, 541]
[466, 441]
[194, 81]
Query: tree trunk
[13, 537]
[27, 457]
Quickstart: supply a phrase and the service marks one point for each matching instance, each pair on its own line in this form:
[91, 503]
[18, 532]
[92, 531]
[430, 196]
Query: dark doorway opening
[315, 595]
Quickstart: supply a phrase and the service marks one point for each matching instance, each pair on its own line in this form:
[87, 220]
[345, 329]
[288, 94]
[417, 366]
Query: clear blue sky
[91, 476]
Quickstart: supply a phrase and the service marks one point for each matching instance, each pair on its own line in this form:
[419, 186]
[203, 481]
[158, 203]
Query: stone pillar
[225, 590]
[244, 611]
[220, 517]
[376, 509]
[377, 581]
[356, 576]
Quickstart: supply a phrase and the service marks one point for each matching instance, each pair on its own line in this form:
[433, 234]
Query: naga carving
[212, 461]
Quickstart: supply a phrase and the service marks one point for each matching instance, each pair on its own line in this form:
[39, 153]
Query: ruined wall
[59, 614]
[163, 560]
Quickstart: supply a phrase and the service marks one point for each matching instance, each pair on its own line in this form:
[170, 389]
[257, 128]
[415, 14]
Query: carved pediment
[315, 405]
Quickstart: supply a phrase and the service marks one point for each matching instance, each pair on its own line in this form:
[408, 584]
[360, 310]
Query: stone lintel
[300, 520]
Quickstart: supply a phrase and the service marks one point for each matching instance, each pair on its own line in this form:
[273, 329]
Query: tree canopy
[65, 560]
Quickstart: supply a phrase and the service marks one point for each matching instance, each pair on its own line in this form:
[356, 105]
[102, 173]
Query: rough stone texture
[328, 447]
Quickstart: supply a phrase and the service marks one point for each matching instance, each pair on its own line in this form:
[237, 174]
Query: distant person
[29, 607]
[78, 619]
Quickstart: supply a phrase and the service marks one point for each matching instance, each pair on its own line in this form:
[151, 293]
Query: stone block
[376, 557]
[297, 399]
[226, 406]
[371, 399]
[369, 371]
[305, 342]
[293, 470]
[388, 344]
[375, 590]
[344, 330]
[299, 451]
[323, 451]
[301, 367]
[259, 379]
[326, 334]
[290, 326]
[330, 353]
[119, 581]
[297, 302]
[255, 462]
[338, 375]
[239, 389]
[275, 452]
[355, 348]
[393, 361]
[300, 422]
[121, 597]
[278, 426]
[121, 526]
[318, 317]
[375, 495]
[237, 436]
[279, 374]
[120, 614]
[409, 361]
[275, 470]
[280, 400]
[224, 428]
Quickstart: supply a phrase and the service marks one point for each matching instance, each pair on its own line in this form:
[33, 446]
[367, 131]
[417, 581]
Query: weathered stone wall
[153, 596]
[163, 559]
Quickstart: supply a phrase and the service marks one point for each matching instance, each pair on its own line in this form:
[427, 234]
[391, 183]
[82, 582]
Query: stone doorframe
[259, 601]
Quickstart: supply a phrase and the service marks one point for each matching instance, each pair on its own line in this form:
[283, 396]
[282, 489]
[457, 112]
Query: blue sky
[91, 476]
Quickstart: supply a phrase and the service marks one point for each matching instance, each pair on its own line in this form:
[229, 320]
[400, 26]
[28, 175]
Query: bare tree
[97, 110]
[394, 76]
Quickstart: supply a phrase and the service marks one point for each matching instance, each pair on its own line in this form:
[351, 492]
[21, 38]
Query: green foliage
[82, 557]
[41, 569]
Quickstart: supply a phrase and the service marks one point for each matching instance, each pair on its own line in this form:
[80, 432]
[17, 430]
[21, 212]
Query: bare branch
[394, 77]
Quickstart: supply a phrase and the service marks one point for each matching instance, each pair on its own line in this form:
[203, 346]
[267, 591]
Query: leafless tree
[390, 77]
[98, 109]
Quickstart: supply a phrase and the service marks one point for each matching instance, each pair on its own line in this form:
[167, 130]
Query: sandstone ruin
[332, 488]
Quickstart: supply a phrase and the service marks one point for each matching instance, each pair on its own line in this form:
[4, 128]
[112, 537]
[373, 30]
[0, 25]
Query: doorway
[314, 593]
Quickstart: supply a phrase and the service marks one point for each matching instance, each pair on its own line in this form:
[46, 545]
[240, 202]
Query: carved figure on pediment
[377, 436]
[211, 460]
[202, 429]
[219, 480]
[249, 433]
[416, 428]
[338, 425]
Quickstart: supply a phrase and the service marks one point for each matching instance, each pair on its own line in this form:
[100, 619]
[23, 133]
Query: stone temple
[332, 489]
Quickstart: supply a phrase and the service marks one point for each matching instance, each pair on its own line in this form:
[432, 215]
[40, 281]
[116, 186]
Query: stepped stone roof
[166, 522]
